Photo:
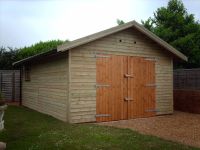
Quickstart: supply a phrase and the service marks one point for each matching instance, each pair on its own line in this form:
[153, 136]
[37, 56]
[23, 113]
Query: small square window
[27, 70]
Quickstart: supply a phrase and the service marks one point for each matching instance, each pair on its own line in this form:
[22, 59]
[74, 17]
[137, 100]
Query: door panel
[110, 104]
[135, 84]
[141, 88]
[124, 88]
[150, 89]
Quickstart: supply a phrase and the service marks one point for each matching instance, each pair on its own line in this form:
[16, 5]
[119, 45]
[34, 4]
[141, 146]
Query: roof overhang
[69, 45]
[90, 38]
[35, 57]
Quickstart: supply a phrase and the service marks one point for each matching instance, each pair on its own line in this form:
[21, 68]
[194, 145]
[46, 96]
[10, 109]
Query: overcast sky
[25, 22]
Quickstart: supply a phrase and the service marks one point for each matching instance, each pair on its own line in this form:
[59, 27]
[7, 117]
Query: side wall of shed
[82, 71]
[47, 91]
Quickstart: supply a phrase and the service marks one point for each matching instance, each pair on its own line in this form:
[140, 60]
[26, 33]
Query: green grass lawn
[29, 130]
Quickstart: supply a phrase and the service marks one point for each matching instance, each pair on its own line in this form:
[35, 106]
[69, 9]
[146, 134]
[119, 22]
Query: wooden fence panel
[187, 90]
[187, 100]
[10, 84]
[187, 79]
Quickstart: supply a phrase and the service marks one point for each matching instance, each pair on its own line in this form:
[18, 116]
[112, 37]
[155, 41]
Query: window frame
[27, 74]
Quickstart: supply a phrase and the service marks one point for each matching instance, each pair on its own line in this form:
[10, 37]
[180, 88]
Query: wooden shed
[120, 73]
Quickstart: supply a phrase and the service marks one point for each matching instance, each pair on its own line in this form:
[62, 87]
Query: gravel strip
[179, 127]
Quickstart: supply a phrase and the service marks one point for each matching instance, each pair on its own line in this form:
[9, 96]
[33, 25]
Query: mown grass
[30, 130]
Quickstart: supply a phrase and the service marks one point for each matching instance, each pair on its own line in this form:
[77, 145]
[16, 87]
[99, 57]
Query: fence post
[20, 92]
[13, 86]
[1, 82]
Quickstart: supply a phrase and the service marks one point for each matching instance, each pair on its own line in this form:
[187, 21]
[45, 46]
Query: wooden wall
[10, 84]
[82, 72]
[187, 100]
[187, 90]
[187, 79]
[53, 79]
[47, 91]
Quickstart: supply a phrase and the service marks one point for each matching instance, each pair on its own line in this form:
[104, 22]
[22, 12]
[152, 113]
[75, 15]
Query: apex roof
[98, 35]
[133, 24]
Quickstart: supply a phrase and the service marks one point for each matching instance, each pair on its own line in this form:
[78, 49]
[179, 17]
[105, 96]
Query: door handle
[128, 99]
[128, 76]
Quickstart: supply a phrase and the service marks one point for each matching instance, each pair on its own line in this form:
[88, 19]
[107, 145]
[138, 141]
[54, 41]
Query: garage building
[124, 72]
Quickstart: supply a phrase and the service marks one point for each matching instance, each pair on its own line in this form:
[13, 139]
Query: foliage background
[177, 27]
[10, 55]
[171, 23]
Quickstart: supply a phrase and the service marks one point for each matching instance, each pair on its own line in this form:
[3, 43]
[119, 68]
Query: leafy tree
[10, 55]
[179, 28]
[149, 24]
[120, 22]
[7, 57]
[37, 48]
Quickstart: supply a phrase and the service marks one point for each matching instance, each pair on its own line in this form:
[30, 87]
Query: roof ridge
[101, 34]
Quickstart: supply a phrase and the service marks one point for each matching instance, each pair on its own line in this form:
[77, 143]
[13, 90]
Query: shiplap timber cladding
[129, 42]
[64, 83]
[47, 90]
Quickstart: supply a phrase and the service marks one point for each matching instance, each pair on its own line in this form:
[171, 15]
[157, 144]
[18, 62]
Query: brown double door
[125, 87]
